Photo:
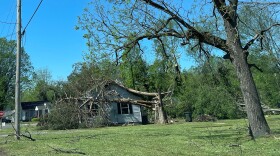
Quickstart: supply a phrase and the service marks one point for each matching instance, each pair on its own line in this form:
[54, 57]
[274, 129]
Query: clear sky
[50, 39]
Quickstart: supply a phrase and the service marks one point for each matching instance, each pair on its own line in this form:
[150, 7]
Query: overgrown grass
[224, 137]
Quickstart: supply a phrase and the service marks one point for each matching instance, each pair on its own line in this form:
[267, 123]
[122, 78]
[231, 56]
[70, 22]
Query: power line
[9, 19]
[3, 22]
[13, 32]
[10, 35]
[32, 16]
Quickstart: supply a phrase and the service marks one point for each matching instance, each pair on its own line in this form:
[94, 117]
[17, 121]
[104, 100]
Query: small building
[34, 109]
[120, 105]
[122, 108]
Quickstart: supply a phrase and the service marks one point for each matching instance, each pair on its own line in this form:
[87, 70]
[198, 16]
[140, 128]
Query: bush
[43, 122]
[205, 118]
[35, 119]
[63, 116]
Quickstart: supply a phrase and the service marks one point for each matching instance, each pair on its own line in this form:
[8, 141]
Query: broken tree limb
[144, 93]
[136, 91]
[148, 104]
[22, 135]
[136, 102]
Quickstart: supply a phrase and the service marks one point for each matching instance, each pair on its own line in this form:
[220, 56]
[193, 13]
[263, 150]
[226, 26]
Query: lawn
[224, 137]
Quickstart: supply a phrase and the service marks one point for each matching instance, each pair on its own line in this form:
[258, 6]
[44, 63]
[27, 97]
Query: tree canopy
[8, 70]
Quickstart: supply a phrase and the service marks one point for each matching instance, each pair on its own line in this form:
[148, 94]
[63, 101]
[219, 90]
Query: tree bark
[257, 122]
[162, 116]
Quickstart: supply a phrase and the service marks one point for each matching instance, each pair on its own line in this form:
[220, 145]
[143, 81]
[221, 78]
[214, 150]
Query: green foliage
[268, 81]
[210, 88]
[43, 89]
[87, 75]
[8, 70]
[35, 119]
[133, 70]
[264, 53]
[63, 116]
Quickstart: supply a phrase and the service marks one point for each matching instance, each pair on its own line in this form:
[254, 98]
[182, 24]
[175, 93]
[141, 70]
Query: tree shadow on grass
[212, 126]
[214, 136]
[229, 134]
[156, 135]
[92, 136]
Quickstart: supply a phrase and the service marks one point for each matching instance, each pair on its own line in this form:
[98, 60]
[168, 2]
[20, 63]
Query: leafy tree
[43, 88]
[8, 70]
[164, 73]
[267, 81]
[86, 75]
[266, 53]
[211, 88]
[133, 70]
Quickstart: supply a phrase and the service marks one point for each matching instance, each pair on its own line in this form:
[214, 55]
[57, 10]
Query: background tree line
[211, 87]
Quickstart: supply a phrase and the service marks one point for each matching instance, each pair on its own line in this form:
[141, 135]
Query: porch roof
[32, 105]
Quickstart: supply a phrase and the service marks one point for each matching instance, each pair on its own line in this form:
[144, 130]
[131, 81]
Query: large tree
[8, 71]
[118, 26]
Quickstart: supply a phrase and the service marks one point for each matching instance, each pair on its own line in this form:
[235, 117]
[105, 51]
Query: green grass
[224, 137]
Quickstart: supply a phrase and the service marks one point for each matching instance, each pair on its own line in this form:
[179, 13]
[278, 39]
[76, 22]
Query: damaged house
[113, 103]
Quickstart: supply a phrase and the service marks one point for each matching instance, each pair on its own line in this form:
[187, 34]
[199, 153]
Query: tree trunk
[162, 117]
[257, 122]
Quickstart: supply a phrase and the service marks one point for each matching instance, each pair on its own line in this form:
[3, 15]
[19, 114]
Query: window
[124, 108]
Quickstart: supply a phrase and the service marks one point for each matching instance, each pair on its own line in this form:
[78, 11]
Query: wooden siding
[135, 117]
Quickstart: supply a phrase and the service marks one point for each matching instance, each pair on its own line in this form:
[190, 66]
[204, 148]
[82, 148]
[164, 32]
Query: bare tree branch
[260, 3]
[247, 46]
[192, 33]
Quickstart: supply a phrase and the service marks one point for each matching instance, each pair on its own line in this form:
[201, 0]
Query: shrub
[43, 122]
[63, 116]
[205, 118]
[35, 119]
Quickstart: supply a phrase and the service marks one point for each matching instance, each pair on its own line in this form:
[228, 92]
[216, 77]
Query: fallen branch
[28, 137]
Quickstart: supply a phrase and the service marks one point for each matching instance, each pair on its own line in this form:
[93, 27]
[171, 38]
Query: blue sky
[50, 39]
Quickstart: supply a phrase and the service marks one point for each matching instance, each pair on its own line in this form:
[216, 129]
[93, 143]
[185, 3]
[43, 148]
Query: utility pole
[17, 84]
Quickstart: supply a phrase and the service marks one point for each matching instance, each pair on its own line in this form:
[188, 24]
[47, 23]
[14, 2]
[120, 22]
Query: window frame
[124, 106]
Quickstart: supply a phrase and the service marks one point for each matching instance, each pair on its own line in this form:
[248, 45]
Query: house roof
[115, 92]
[32, 105]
